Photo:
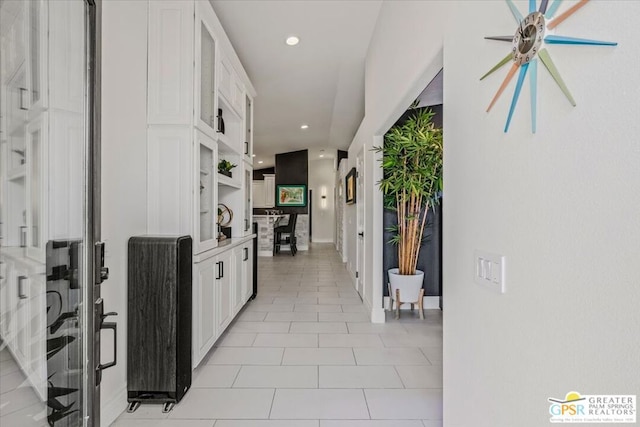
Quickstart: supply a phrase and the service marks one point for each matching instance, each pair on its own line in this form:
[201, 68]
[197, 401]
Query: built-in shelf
[229, 182]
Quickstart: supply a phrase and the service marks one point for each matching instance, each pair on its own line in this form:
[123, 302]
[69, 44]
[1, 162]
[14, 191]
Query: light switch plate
[490, 271]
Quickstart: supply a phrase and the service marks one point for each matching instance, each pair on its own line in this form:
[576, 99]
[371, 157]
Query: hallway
[304, 354]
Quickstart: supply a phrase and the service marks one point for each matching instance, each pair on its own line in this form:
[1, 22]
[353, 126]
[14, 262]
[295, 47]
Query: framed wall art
[291, 195]
[350, 187]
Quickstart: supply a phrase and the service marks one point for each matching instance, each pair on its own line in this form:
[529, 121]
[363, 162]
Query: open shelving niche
[230, 146]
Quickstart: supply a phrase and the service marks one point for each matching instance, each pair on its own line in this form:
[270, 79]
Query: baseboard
[114, 408]
[427, 303]
[322, 240]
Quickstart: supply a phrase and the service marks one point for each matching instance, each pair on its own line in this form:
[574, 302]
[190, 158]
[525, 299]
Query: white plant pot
[409, 285]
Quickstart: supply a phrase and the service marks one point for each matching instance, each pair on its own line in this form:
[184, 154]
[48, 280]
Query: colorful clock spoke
[543, 6]
[552, 9]
[548, 62]
[561, 18]
[504, 84]
[500, 38]
[533, 79]
[514, 10]
[532, 6]
[577, 41]
[516, 94]
[498, 65]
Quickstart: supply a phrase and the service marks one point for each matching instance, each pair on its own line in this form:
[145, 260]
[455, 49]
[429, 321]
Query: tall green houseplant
[412, 163]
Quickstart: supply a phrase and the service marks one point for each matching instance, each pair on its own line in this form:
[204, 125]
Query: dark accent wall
[342, 155]
[258, 174]
[430, 258]
[293, 168]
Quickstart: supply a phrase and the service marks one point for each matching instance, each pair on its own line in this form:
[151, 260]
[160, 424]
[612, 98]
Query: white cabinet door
[224, 293]
[170, 59]
[248, 128]
[206, 200]
[225, 78]
[247, 267]
[269, 191]
[258, 194]
[23, 331]
[238, 294]
[206, 100]
[204, 305]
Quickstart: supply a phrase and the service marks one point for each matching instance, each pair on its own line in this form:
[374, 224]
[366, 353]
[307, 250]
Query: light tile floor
[304, 354]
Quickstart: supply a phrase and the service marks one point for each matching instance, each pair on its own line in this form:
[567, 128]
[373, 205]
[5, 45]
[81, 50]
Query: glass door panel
[46, 303]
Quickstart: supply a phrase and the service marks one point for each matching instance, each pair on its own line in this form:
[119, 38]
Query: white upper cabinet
[206, 100]
[170, 84]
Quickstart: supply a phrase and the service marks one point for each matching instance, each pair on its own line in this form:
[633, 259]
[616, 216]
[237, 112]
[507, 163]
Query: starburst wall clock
[528, 44]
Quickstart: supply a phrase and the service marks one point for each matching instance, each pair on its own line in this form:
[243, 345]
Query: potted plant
[225, 166]
[412, 184]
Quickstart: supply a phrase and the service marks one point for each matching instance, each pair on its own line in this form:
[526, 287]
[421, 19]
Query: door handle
[23, 93]
[222, 269]
[99, 325]
[21, 293]
[246, 147]
[361, 234]
[113, 326]
[246, 254]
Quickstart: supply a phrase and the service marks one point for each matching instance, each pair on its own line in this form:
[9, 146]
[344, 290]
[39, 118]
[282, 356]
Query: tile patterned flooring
[304, 354]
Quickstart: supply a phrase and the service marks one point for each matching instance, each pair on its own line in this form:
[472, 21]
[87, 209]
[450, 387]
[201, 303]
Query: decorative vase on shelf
[220, 121]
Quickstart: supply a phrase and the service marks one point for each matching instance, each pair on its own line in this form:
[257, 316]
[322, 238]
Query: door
[51, 313]
[360, 272]
[224, 296]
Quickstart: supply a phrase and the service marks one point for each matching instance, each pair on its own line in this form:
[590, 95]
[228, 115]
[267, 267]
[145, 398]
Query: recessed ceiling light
[304, 127]
[321, 155]
[292, 40]
[253, 155]
[260, 161]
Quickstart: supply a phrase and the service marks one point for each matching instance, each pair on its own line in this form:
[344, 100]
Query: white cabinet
[269, 191]
[206, 99]
[258, 194]
[230, 86]
[170, 59]
[248, 129]
[206, 213]
[222, 284]
[225, 280]
[243, 275]
[204, 310]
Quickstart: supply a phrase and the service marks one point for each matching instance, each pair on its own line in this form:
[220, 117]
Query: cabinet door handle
[218, 277]
[246, 147]
[222, 269]
[21, 293]
[23, 97]
[246, 254]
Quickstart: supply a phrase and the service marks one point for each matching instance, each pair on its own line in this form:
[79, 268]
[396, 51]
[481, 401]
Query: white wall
[404, 55]
[124, 76]
[561, 205]
[322, 175]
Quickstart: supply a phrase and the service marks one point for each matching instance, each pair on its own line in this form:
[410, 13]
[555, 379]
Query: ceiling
[319, 82]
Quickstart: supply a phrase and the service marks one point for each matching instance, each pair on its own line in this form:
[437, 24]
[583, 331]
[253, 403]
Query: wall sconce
[323, 197]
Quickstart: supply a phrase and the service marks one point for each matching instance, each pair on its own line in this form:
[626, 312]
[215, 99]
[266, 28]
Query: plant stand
[399, 302]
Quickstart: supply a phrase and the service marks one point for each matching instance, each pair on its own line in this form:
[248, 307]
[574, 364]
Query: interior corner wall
[561, 205]
[124, 77]
[405, 54]
[322, 176]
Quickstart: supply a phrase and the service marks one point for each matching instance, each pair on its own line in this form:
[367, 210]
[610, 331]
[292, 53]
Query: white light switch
[489, 271]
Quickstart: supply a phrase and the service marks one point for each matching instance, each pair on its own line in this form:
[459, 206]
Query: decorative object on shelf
[21, 154]
[412, 183]
[529, 44]
[350, 185]
[225, 166]
[292, 195]
[225, 216]
[220, 121]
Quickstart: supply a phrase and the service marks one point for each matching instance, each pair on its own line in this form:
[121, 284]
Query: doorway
[49, 213]
[360, 271]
